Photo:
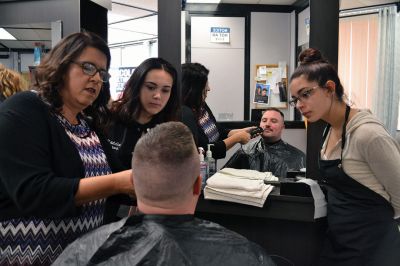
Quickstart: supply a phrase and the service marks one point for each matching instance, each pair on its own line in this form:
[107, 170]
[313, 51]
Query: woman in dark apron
[361, 225]
[362, 230]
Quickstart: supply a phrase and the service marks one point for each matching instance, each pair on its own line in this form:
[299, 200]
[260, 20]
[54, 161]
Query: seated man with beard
[269, 153]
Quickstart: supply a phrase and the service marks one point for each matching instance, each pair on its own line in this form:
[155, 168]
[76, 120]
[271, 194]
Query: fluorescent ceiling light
[5, 35]
[203, 1]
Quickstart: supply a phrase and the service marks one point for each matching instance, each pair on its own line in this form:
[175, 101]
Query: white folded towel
[239, 185]
[243, 192]
[210, 193]
[223, 181]
[250, 174]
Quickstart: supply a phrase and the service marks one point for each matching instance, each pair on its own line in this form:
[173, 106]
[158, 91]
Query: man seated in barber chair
[269, 153]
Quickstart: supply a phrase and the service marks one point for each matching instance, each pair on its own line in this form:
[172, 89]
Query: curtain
[357, 58]
[386, 93]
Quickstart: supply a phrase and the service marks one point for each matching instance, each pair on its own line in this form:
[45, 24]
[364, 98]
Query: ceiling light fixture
[5, 35]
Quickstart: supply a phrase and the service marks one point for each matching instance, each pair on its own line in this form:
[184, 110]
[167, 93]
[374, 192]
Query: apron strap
[346, 117]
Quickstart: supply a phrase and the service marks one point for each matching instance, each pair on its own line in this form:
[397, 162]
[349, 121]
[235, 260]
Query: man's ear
[197, 186]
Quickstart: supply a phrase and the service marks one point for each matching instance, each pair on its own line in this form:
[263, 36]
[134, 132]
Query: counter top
[282, 207]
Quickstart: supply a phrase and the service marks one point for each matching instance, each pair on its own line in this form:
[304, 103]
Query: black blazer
[40, 167]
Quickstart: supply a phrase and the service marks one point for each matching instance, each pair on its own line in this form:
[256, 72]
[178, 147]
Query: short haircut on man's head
[165, 163]
[276, 110]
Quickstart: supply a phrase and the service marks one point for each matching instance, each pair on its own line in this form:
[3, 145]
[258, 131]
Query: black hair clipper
[256, 131]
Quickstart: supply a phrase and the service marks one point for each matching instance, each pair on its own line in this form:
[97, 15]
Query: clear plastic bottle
[203, 167]
[211, 164]
[37, 54]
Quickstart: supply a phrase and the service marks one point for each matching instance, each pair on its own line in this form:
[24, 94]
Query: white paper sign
[220, 35]
[282, 66]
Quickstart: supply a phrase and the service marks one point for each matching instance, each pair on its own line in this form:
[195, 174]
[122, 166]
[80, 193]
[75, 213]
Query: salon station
[251, 48]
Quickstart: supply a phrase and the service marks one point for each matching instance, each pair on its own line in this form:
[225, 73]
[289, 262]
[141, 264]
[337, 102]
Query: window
[123, 62]
[132, 38]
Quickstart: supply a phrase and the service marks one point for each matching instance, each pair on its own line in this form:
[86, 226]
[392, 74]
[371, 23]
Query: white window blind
[357, 57]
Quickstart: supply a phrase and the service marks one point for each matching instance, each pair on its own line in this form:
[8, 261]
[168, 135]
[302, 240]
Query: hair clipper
[256, 131]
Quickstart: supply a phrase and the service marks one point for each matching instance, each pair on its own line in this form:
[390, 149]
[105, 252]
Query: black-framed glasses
[91, 70]
[303, 95]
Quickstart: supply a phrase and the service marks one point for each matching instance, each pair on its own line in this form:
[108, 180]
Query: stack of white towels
[240, 186]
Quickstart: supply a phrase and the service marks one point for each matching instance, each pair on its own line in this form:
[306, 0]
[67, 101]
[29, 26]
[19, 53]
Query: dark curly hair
[194, 80]
[127, 108]
[314, 67]
[49, 75]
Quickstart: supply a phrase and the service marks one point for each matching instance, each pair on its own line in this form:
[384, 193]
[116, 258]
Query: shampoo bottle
[211, 164]
[203, 168]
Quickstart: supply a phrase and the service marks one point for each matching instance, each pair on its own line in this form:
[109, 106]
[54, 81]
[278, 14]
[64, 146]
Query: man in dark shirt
[167, 184]
[269, 153]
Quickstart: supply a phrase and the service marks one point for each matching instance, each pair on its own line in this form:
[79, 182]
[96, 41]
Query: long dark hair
[194, 80]
[314, 67]
[128, 107]
[49, 76]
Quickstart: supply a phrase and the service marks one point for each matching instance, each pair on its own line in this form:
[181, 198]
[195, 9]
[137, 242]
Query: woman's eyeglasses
[303, 96]
[91, 70]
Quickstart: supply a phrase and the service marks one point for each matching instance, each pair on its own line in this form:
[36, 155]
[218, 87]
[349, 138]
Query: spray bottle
[211, 165]
[203, 167]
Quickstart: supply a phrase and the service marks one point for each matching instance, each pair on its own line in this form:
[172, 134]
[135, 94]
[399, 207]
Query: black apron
[361, 227]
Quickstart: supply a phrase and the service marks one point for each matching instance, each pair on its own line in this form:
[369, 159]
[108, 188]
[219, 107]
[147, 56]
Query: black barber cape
[163, 240]
[278, 157]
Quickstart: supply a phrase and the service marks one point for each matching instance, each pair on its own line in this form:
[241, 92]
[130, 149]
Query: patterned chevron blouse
[208, 126]
[37, 241]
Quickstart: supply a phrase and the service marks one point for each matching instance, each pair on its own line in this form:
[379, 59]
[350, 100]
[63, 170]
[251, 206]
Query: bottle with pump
[203, 168]
[211, 164]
